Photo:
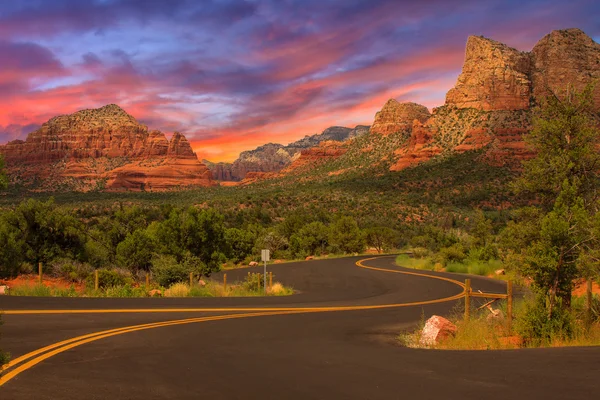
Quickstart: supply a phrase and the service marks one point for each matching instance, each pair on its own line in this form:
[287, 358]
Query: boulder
[309, 258]
[253, 264]
[436, 330]
[155, 293]
[500, 272]
[201, 283]
[4, 289]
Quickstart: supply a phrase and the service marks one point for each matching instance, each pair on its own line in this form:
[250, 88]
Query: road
[335, 339]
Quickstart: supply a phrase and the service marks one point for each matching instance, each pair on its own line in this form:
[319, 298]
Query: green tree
[44, 232]
[346, 236]
[200, 233]
[381, 238]
[240, 243]
[312, 239]
[136, 251]
[556, 243]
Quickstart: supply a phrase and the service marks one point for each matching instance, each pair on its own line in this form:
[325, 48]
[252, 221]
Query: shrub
[420, 252]
[108, 278]
[254, 281]
[538, 327]
[485, 253]
[167, 271]
[72, 270]
[455, 253]
[178, 290]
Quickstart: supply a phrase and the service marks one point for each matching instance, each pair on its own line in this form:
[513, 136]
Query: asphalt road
[334, 354]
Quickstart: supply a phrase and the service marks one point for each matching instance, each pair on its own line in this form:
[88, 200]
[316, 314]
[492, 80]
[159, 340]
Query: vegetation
[114, 283]
[4, 357]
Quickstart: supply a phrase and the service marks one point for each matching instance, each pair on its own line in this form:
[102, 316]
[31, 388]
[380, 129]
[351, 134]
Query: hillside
[103, 148]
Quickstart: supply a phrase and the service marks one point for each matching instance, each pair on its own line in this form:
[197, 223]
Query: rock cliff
[104, 148]
[396, 117]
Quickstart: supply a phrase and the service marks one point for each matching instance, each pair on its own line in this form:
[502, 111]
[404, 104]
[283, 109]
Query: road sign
[265, 255]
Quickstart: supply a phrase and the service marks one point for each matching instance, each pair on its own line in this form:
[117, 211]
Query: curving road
[335, 339]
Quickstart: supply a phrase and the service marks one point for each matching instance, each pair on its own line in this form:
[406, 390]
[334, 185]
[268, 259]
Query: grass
[481, 333]
[211, 289]
[468, 266]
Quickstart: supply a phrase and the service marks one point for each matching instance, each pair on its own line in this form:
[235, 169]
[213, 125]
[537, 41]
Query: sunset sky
[232, 75]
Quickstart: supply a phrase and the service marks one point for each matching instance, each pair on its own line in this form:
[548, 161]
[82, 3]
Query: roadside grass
[481, 332]
[4, 357]
[210, 289]
[468, 266]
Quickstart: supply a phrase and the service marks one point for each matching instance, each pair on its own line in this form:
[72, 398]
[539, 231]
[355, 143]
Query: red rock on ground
[436, 329]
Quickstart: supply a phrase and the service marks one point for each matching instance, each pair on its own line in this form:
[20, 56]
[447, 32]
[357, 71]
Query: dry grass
[178, 290]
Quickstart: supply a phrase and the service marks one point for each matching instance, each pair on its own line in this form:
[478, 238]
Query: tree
[136, 251]
[198, 232]
[240, 243]
[560, 240]
[43, 232]
[346, 236]
[3, 176]
[312, 239]
[381, 238]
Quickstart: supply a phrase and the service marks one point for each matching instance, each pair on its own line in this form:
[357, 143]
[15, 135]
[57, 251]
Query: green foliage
[454, 253]
[72, 270]
[108, 278]
[538, 328]
[556, 244]
[166, 270]
[240, 244]
[3, 176]
[312, 239]
[4, 357]
[346, 236]
[381, 238]
[136, 250]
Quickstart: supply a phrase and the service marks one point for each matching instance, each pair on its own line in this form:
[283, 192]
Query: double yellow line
[29, 360]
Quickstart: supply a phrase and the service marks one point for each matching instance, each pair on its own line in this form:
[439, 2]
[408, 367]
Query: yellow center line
[59, 347]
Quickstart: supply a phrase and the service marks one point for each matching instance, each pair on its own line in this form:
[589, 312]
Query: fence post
[40, 273]
[224, 282]
[96, 280]
[191, 279]
[588, 302]
[467, 299]
[147, 280]
[509, 306]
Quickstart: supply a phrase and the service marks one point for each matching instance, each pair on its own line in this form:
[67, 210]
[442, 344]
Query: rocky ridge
[103, 148]
[272, 157]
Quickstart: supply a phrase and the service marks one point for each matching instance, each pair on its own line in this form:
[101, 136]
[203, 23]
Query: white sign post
[265, 256]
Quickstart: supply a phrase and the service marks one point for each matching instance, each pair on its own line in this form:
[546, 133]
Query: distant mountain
[103, 148]
[273, 157]
[490, 109]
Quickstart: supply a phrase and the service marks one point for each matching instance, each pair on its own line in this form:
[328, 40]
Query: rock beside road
[436, 330]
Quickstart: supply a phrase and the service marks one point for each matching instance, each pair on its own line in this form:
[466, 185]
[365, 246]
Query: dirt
[581, 288]
[32, 280]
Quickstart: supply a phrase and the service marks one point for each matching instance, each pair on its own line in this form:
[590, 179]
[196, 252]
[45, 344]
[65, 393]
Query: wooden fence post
[191, 279]
[224, 282]
[40, 273]
[96, 280]
[467, 299]
[509, 306]
[588, 302]
[147, 280]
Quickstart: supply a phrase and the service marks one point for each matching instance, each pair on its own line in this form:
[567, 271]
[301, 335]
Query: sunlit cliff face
[232, 75]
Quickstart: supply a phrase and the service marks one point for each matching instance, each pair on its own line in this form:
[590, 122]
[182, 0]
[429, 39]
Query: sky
[232, 74]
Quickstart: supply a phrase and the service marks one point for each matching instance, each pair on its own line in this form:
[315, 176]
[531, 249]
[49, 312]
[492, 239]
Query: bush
[454, 253]
[178, 290]
[254, 281]
[538, 328]
[71, 270]
[420, 252]
[108, 278]
[167, 271]
[485, 253]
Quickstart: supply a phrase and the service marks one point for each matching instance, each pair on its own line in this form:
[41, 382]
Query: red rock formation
[490, 105]
[398, 117]
[494, 77]
[105, 145]
[328, 150]
[419, 148]
[566, 57]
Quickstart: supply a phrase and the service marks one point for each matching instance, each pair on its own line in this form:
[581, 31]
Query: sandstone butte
[491, 103]
[103, 148]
